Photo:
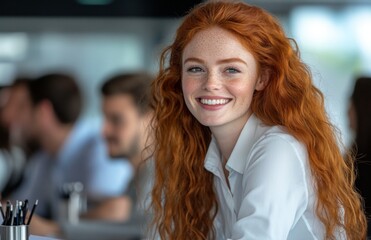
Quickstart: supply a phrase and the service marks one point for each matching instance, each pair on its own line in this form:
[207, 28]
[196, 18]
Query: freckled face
[219, 77]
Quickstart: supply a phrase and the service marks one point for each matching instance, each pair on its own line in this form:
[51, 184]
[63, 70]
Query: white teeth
[214, 101]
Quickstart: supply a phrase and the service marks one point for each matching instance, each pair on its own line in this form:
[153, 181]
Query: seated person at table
[127, 114]
[243, 145]
[71, 152]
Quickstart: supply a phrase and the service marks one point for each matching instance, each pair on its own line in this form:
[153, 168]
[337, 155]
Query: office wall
[334, 42]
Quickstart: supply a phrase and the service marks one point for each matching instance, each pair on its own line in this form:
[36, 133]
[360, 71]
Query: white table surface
[33, 237]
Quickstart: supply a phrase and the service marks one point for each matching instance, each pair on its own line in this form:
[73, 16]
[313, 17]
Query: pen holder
[14, 232]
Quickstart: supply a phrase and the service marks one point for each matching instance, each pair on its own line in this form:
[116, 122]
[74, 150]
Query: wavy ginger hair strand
[184, 201]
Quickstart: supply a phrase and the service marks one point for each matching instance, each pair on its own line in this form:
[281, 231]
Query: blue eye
[232, 70]
[194, 69]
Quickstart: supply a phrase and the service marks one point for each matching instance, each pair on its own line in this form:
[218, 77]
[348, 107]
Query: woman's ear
[262, 81]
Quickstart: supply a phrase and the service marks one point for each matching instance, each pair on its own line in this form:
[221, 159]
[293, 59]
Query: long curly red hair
[183, 198]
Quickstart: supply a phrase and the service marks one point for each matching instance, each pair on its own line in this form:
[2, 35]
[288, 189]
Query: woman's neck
[227, 135]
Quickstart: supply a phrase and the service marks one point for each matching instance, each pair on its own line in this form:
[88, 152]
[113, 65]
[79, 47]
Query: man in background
[15, 120]
[126, 106]
[71, 151]
[16, 116]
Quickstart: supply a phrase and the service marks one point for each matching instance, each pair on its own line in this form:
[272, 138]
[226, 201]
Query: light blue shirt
[83, 158]
[271, 194]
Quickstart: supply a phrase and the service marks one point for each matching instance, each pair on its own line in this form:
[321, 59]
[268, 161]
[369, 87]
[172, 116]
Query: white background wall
[335, 43]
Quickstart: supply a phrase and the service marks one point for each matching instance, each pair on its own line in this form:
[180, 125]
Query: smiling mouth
[221, 101]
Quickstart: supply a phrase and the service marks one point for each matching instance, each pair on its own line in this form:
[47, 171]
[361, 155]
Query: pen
[25, 210]
[2, 211]
[20, 218]
[16, 213]
[7, 213]
[32, 211]
[11, 216]
[25, 207]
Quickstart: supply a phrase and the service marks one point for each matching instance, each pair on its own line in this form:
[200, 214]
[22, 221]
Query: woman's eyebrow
[193, 59]
[227, 60]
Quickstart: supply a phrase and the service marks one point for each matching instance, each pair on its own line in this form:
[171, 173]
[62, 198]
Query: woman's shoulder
[277, 135]
[275, 142]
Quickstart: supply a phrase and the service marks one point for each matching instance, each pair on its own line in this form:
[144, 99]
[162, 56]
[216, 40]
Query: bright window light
[13, 46]
[359, 23]
[318, 28]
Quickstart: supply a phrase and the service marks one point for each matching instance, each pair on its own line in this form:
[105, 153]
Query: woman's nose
[212, 82]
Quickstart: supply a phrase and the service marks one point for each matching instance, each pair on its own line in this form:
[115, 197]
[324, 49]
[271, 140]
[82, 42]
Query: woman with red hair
[244, 148]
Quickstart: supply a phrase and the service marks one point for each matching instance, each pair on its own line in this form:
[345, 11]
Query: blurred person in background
[4, 162]
[127, 114]
[12, 158]
[359, 114]
[4, 145]
[17, 116]
[70, 151]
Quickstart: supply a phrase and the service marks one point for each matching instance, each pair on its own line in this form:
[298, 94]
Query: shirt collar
[239, 156]
[213, 158]
[238, 159]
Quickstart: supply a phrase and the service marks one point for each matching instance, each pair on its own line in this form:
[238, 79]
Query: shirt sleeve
[105, 177]
[274, 191]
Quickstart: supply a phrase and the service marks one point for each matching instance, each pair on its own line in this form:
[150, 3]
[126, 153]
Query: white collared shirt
[271, 194]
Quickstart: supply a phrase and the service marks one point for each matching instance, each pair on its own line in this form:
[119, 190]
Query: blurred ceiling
[95, 8]
[285, 6]
[138, 8]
